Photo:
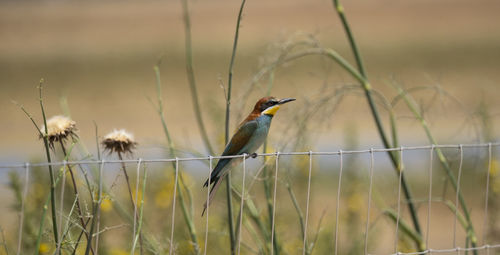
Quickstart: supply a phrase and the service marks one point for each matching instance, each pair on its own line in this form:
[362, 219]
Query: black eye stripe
[269, 104]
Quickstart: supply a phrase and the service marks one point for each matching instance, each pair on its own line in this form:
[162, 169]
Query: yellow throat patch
[271, 110]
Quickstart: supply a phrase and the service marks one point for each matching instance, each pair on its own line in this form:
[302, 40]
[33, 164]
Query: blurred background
[99, 55]
[97, 59]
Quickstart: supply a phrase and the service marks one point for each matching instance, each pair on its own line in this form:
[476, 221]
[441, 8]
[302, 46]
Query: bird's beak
[286, 100]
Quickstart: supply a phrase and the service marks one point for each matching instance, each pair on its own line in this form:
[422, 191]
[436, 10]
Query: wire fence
[487, 246]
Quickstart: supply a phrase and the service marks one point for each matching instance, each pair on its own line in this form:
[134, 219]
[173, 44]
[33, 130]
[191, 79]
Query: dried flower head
[59, 128]
[119, 141]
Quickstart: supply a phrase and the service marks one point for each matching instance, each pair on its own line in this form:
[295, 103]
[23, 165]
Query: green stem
[368, 92]
[77, 196]
[226, 134]
[141, 208]
[171, 147]
[442, 159]
[191, 78]
[254, 214]
[350, 37]
[297, 207]
[127, 179]
[416, 237]
[394, 159]
[46, 206]
[47, 152]
[269, 202]
[96, 212]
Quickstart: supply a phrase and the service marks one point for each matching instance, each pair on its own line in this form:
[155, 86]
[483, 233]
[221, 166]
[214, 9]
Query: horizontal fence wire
[305, 249]
[306, 153]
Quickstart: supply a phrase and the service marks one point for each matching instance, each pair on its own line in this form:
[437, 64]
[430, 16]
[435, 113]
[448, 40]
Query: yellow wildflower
[495, 186]
[494, 168]
[106, 204]
[139, 195]
[293, 246]
[355, 202]
[44, 248]
[163, 198]
[118, 251]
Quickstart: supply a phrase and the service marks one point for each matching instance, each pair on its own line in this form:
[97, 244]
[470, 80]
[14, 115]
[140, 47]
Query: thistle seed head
[119, 141]
[59, 128]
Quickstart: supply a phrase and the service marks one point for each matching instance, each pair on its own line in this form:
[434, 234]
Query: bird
[249, 136]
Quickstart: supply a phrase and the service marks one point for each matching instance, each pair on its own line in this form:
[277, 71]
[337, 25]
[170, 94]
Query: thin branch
[191, 78]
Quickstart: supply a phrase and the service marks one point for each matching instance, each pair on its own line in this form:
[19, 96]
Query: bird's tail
[213, 190]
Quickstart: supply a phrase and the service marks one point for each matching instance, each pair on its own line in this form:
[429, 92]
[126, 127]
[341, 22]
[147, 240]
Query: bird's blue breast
[259, 136]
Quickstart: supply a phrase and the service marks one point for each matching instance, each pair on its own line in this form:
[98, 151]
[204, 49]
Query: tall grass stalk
[275, 246]
[47, 153]
[444, 163]
[368, 92]
[46, 206]
[127, 179]
[270, 207]
[141, 208]
[405, 228]
[188, 215]
[67, 227]
[366, 86]
[297, 209]
[191, 77]
[132, 202]
[77, 195]
[96, 213]
[23, 202]
[254, 214]
[226, 132]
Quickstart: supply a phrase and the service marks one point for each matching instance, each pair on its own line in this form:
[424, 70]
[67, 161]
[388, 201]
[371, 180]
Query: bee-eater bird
[250, 135]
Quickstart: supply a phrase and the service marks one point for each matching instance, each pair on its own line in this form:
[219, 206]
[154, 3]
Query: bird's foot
[253, 155]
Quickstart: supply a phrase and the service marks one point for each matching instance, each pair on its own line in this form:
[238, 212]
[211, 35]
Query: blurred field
[97, 58]
[100, 56]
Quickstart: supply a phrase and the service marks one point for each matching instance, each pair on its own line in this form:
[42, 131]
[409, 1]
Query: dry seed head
[119, 141]
[59, 128]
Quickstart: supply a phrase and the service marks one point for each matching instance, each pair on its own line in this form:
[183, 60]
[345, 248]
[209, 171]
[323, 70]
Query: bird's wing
[240, 138]
[234, 147]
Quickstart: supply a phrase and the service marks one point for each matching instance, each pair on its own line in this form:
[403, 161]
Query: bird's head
[270, 105]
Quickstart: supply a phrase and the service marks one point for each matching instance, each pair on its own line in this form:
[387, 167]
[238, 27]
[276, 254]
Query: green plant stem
[460, 216]
[297, 208]
[141, 208]
[96, 212]
[187, 217]
[226, 133]
[47, 152]
[127, 179]
[191, 78]
[357, 56]
[442, 159]
[267, 186]
[395, 161]
[77, 196]
[46, 206]
[269, 201]
[368, 92]
[359, 62]
[254, 214]
[416, 237]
